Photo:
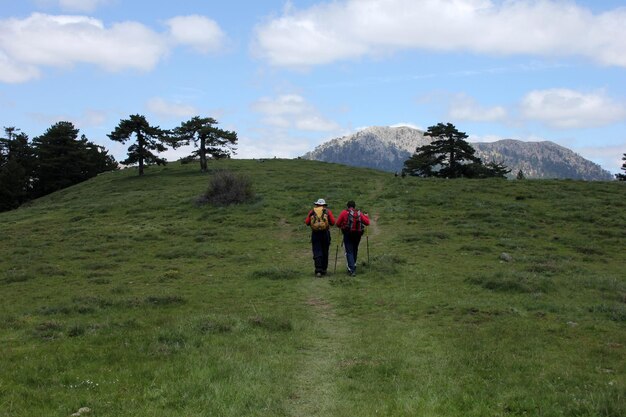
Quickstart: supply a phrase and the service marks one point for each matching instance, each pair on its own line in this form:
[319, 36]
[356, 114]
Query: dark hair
[351, 204]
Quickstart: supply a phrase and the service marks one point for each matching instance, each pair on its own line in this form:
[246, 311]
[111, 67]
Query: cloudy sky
[289, 75]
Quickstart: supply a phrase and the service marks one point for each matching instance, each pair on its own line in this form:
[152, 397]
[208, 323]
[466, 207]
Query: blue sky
[289, 75]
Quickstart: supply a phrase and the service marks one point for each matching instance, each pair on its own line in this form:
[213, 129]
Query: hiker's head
[320, 202]
[351, 204]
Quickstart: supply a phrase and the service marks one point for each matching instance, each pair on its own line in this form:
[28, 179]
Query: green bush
[226, 188]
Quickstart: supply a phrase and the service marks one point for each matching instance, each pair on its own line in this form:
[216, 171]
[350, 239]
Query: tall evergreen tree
[449, 156]
[209, 139]
[622, 177]
[16, 168]
[64, 160]
[59, 158]
[147, 139]
[98, 158]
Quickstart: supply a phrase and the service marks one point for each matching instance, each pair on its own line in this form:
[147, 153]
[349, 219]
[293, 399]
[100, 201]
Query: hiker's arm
[341, 219]
[365, 219]
[307, 221]
[331, 218]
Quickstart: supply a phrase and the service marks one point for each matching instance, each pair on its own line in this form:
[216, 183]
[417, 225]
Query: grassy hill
[122, 295]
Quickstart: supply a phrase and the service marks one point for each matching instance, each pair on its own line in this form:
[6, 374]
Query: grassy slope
[120, 294]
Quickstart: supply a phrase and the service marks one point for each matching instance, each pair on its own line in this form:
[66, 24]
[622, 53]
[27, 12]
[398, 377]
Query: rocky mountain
[386, 148]
[541, 160]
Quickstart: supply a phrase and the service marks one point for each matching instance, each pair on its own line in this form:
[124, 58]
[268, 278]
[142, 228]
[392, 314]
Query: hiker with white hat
[320, 218]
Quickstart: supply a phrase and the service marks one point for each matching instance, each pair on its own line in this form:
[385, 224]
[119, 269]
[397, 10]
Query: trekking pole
[367, 242]
[337, 253]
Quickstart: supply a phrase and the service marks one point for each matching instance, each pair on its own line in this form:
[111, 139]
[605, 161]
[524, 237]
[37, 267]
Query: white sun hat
[320, 202]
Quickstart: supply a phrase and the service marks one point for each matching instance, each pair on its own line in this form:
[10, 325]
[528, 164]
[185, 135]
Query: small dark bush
[14, 275]
[51, 310]
[76, 330]
[275, 273]
[272, 324]
[226, 188]
[613, 312]
[514, 282]
[385, 263]
[165, 300]
[48, 330]
[214, 327]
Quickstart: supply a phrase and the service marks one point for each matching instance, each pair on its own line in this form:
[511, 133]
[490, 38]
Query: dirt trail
[315, 390]
[314, 393]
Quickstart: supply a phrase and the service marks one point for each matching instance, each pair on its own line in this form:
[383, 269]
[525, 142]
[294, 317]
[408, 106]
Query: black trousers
[351, 242]
[320, 242]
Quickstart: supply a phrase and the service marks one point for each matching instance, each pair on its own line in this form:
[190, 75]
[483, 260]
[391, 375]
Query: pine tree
[64, 160]
[16, 169]
[450, 156]
[622, 177]
[147, 139]
[210, 140]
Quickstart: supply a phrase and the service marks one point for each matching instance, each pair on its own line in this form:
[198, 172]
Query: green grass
[123, 295]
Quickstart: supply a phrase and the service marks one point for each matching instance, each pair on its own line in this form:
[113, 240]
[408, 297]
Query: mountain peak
[386, 148]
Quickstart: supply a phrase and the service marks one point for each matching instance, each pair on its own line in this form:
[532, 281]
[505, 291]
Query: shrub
[386, 263]
[226, 188]
[272, 324]
[164, 300]
[514, 282]
[275, 273]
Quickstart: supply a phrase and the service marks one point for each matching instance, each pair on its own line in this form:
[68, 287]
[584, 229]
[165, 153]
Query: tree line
[60, 157]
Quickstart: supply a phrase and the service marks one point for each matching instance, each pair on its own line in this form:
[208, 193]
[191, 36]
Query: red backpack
[354, 224]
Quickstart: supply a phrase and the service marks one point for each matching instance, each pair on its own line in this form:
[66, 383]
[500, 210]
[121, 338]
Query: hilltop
[481, 297]
[386, 148]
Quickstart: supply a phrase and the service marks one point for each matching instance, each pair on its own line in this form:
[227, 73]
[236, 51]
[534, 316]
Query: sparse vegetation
[121, 295]
[226, 188]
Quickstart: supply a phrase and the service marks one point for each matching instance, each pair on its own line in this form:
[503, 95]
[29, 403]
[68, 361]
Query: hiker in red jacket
[320, 218]
[352, 224]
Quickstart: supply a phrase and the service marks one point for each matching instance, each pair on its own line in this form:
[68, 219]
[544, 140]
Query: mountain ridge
[386, 148]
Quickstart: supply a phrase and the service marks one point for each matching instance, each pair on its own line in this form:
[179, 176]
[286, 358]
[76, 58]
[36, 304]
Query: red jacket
[342, 221]
[331, 218]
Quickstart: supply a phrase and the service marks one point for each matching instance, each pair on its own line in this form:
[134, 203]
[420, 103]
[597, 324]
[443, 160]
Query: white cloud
[62, 41]
[81, 5]
[292, 111]
[14, 72]
[286, 120]
[569, 109]
[484, 138]
[40, 40]
[354, 28]
[167, 109]
[411, 125]
[465, 108]
[271, 143]
[88, 118]
[199, 32]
